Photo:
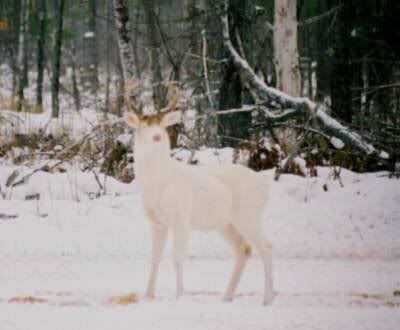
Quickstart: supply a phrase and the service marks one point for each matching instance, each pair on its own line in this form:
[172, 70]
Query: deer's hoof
[268, 299]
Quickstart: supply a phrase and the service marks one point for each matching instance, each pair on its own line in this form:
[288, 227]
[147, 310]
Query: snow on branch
[277, 116]
[299, 106]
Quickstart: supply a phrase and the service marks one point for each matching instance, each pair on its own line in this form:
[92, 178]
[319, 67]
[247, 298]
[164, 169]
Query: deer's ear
[131, 119]
[171, 118]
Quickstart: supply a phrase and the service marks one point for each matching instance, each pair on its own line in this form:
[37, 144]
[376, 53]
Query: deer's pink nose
[156, 137]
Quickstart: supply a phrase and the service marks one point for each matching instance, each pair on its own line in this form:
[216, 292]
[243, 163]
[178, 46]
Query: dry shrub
[295, 168]
[344, 158]
[258, 156]
[265, 155]
[33, 144]
[173, 132]
[319, 152]
[116, 162]
[126, 175]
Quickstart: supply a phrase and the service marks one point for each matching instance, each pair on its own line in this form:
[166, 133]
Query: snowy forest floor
[67, 264]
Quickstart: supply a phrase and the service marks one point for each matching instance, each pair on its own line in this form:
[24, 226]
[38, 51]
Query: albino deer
[180, 197]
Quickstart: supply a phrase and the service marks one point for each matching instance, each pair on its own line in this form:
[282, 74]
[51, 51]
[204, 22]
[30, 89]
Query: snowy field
[71, 262]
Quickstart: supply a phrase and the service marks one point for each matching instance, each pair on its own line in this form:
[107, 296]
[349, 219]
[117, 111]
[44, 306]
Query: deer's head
[151, 130]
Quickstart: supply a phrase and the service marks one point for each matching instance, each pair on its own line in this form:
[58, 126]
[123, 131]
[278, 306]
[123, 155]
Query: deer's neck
[152, 167]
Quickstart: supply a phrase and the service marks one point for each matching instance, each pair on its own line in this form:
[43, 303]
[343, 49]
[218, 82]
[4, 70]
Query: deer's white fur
[180, 197]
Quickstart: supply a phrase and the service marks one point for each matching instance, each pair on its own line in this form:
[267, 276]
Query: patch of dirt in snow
[65, 298]
[311, 299]
[86, 293]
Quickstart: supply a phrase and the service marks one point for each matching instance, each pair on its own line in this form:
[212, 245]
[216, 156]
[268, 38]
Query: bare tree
[41, 15]
[241, 17]
[285, 47]
[125, 63]
[21, 58]
[55, 79]
[124, 41]
[89, 72]
[159, 90]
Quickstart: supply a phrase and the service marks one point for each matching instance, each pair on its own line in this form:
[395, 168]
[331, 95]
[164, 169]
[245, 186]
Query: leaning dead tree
[281, 107]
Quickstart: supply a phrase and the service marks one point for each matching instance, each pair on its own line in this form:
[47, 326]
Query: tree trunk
[108, 45]
[322, 46]
[75, 89]
[364, 94]
[120, 88]
[124, 39]
[192, 66]
[89, 74]
[159, 90]
[25, 67]
[340, 74]
[285, 47]
[13, 46]
[42, 15]
[235, 127]
[135, 45]
[55, 79]
[22, 40]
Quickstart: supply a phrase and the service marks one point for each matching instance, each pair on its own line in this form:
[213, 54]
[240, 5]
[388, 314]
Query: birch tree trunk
[55, 79]
[285, 47]
[89, 74]
[22, 36]
[124, 39]
[40, 53]
[159, 90]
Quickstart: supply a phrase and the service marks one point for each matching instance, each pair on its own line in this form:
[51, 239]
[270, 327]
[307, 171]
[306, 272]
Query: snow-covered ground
[71, 262]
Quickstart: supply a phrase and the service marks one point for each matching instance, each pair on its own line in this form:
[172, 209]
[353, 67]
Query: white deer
[227, 198]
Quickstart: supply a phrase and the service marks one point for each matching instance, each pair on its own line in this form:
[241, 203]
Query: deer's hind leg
[254, 235]
[242, 251]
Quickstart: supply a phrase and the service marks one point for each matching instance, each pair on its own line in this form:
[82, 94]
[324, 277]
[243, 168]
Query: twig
[205, 69]
[319, 17]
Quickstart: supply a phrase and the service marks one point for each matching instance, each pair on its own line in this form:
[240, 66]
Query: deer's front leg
[181, 239]
[159, 237]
